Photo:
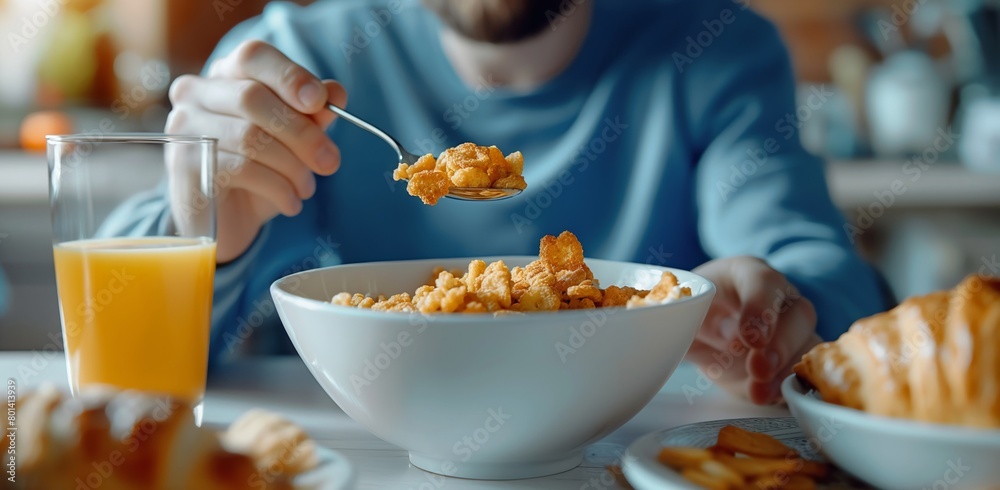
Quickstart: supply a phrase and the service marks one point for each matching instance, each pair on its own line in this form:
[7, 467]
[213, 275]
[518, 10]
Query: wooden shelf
[24, 178]
[940, 185]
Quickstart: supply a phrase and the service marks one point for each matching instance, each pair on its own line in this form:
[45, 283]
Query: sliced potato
[793, 482]
[704, 480]
[720, 471]
[751, 443]
[814, 469]
[684, 457]
[752, 467]
[716, 449]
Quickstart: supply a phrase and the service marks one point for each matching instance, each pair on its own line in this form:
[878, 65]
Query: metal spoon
[460, 193]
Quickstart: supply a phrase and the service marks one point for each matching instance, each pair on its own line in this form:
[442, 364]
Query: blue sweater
[671, 139]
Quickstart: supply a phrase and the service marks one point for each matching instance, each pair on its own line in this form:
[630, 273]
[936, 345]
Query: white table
[284, 385]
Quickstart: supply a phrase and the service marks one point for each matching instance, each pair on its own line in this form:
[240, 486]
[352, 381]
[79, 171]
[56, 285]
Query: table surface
[284, 385]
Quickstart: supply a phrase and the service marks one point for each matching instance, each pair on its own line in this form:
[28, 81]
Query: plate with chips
[731, 454]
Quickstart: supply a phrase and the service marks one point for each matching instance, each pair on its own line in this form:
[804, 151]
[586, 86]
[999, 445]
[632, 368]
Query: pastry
[127, 441]
[933, 358]
[275, 444]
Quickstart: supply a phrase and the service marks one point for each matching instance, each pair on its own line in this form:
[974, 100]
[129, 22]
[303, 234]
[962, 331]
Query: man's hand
[760, 321]
[269, 117]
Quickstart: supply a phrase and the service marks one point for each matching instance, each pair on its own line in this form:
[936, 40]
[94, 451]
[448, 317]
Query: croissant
[275, 444]
[933, 358]
[127, 441]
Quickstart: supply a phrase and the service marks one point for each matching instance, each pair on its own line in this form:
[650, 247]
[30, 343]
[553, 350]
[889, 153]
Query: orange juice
[136, 312]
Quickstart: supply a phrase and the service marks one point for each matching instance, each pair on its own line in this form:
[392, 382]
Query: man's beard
[496, 21]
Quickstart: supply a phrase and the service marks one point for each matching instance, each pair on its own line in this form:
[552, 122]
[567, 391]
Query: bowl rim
[795, 393]
[445, 318]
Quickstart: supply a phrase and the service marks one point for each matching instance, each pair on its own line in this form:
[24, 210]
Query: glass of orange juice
[133, 219]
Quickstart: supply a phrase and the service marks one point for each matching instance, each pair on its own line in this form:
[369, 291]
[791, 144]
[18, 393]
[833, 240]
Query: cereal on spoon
[558, 280]
[466, 165]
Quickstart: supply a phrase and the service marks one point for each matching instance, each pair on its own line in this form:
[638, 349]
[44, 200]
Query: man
[658, 131]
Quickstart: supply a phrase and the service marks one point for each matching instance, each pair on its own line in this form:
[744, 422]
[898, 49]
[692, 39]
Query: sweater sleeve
[759, 192]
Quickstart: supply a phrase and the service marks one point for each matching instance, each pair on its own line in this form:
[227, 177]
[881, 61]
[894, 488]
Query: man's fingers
[721, 324]
[768, 391]
[796, 326]
[764, 294]
[257, 60]
[724, 368]
[241, 137]
[720, 272]
[720, 365]
[763, 392]
[271, 153]
[748, 284]
[261, 181]
[336, 95]
[251, 100]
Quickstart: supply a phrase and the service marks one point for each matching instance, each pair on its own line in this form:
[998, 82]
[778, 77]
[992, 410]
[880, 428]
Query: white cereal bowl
[484, 397]
[896, 453]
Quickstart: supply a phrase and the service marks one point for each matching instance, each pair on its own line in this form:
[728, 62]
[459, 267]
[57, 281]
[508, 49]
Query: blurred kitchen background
[883, 86]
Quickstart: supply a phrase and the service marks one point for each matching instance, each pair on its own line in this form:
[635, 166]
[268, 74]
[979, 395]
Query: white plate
[333, 473]
[896, 453]
[644, 472]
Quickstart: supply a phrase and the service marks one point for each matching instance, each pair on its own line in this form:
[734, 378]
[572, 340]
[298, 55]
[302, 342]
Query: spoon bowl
[481, 193]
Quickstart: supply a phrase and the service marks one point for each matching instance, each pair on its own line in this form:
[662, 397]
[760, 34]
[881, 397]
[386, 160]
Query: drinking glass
[133, 221]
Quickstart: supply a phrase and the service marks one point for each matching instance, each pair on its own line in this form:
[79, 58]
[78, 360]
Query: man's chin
[495, 21]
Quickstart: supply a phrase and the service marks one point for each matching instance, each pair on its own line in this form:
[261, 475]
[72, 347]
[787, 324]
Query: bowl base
[497, 471]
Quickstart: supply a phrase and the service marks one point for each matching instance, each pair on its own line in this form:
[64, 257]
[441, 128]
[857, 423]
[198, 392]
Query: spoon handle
[404, 156]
